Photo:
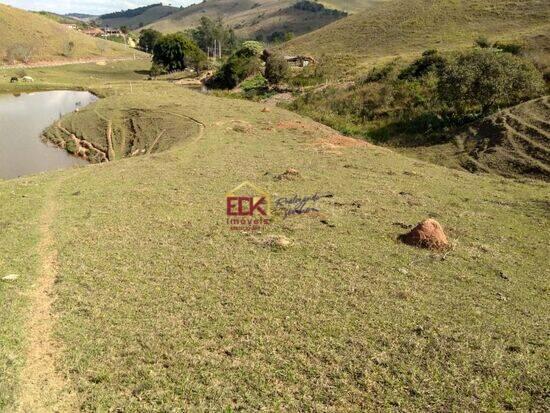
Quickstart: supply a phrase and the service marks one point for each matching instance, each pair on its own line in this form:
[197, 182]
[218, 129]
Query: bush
[512, 48]
[241, 65]
[276, 69]
[69, 48]
[377, 74]
[484, 80]
[257, 82]
[70, 146]
[156, 70]
[431, 61]
[482, 42]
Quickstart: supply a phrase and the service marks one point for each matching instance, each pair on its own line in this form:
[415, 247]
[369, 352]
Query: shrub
[276, 69]
[71, 146]
[431, 61]
[257, 82]
[512, 48]
[377, 74]
[156, 70]
[244, 63]
[68, 48]
[484, 80]
[482, 42]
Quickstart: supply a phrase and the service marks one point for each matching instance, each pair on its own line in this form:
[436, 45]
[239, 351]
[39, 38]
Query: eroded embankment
[121, 126]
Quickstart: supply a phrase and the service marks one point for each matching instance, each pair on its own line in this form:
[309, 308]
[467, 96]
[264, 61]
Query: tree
[485, 80]
[251, 48]
[244, 63]
[276, 69]
[212, 34]
[147, 39]
[177, 52]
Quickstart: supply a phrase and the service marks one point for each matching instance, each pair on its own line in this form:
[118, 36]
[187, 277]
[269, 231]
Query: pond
[22, 120]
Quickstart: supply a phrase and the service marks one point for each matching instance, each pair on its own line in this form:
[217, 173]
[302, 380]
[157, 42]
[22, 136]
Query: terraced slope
[249, 18]
[514, 142]
[30, 38]
[409, 26]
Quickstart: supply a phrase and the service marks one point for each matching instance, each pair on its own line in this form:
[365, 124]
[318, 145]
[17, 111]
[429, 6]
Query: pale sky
[90, 6]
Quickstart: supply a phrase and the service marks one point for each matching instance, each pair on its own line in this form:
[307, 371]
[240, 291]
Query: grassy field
[31, 38]
[158, 306]
[405, 27]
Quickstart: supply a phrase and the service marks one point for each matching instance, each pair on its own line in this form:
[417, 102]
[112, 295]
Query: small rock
[10, 277]
[274, 241]
[501, 297]
[504, 276]
[403, 271]
[266, 110]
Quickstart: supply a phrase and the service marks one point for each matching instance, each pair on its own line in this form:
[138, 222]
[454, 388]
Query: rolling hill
[251, 18]
[136, 18]
[31, 38]
[401, 27]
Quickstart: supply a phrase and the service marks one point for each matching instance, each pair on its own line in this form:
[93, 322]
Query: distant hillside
[136, 18]
[255, 18]
[63, 19]
[81, 16]
[409, 26]
[27, 37]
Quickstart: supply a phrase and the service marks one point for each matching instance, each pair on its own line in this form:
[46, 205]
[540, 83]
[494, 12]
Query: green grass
[44, 40]
[159, 306]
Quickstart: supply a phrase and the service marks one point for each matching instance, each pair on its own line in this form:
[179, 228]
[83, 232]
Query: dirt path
[43, 388]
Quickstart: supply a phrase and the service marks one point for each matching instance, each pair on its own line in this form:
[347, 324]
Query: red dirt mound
[428, 234]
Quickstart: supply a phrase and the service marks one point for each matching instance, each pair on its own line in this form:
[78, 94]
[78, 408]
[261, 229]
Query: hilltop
[404, 27]
[136, 18]
[253, 18]
[28, 38]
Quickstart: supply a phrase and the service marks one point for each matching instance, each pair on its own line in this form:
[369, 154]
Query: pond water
[22, 120]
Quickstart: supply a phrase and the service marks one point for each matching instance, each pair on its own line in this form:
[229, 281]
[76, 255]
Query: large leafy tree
[147, 39]
[486, 80]
[177, 52]
[210, 32]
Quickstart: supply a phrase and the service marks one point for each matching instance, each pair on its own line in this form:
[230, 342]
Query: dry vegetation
[249, 18]
[31, 38]
[403, 27]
